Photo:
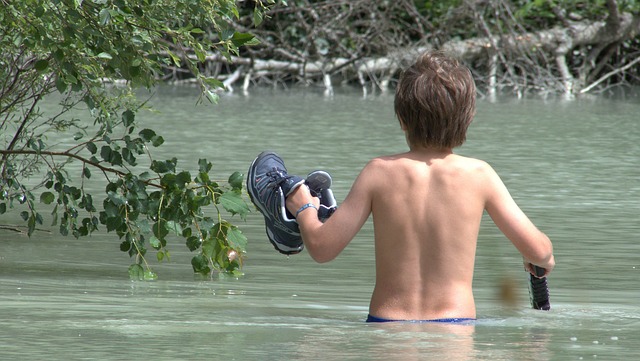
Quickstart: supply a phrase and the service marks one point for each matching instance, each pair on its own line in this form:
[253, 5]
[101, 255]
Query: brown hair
[436, 101]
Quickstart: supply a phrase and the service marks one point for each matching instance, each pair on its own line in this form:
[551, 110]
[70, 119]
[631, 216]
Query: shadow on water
[572, 166]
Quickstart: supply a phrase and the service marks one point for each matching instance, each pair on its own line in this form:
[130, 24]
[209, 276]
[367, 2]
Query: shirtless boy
[427, 204]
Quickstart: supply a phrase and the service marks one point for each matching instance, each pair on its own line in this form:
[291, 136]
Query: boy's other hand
[530, 267]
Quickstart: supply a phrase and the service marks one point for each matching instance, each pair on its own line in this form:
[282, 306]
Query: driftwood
[558, 42]
[515, 59]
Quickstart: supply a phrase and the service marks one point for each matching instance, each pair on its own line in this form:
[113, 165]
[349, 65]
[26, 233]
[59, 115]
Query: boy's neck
[431, 152]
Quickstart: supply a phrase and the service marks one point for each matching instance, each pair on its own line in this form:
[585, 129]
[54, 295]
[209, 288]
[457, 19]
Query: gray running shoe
[268, 185]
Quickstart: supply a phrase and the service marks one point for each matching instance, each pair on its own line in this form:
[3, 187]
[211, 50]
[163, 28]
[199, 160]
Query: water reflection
[415, 341]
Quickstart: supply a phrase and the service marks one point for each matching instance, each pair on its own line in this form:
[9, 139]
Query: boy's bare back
[425, 235]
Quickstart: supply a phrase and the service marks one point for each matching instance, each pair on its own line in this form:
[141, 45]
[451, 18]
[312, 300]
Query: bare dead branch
[610, 74]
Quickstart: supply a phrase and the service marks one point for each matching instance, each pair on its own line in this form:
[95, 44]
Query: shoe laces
[277, 176]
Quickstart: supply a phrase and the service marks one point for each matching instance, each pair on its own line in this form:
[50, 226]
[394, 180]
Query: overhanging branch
[5, 153]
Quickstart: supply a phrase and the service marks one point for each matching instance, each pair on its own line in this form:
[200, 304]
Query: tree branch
[610, 74]
[6, 152]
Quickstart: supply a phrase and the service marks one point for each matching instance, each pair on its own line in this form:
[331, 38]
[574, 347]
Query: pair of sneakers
[269, 184]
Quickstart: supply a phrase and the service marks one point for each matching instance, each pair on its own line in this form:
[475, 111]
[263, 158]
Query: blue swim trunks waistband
[439, 320]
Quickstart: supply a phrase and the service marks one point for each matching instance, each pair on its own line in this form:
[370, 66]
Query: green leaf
[110, 209]
[125, 246]
[183, 178]
[235, 180]
[87, 203]
[54, 214]
[147, 134]
[144, 226]
[41, 65]
[186, 232]
[214, 83]
[128, 156]
[209, 248]
[64, 230]
[113, 223]
[24, 215]
[116, 158]
[150, 276]
[200, 264]
[164, 167]
[193, 243]
[227, 34]
[204, 166]
[136, 272]
[157, 141]
[139, 11]
[174, 227]
[105, 153]
[104, 55]
[39, 11]
[155, 242]
[145, 176]
[200, 54]
[236, 239]
[91, 147]
[89, 101]
[233, 203]
[47, 197]
[61, 85]
[174, 58]
[160, 229]
[128, 117]
[257, 17]
[117, 198]
[105, 16]
[159, 167]
[3, 208]
[78, 135]
[212, 97]
[252, 42]
[58, 55]
[36, 145]
[31, 225]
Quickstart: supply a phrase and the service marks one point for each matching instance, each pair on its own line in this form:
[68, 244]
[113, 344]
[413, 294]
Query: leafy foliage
[545, 13]
[94, 54]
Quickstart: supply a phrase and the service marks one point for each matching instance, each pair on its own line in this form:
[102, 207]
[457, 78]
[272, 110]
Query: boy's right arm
[534, 245]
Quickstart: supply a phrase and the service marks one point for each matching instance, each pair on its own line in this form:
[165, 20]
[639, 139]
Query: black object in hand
[538, 290]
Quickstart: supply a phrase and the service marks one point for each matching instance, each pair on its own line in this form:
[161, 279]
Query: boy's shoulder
[469, 162]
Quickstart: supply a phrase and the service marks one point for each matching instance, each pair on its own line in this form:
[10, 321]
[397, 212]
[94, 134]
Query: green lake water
[573, 166]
